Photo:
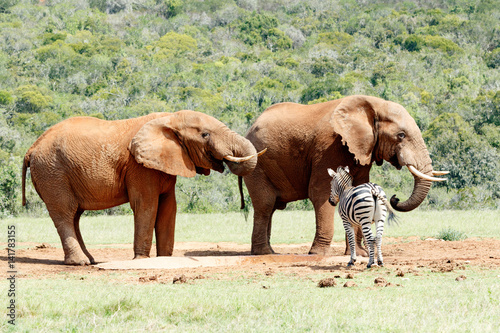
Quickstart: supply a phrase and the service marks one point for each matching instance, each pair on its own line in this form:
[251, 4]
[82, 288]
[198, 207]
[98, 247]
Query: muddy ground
[409, 255]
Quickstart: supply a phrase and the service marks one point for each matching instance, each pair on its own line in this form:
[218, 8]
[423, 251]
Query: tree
[454, 146]
[31, 100]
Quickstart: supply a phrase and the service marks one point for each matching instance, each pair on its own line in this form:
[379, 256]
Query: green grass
[433, 302]
[288, 227]
[430, 302]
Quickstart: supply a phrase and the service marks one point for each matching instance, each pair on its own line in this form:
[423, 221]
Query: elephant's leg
[145, 212]
[165, 224]
[63, 210]
[264, 199]
[324, 227]
[76, 220]
[65, 225]
[360, 249]
[261, 235]
[319, 193]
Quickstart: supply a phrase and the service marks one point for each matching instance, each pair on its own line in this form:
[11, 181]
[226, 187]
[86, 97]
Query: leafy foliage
[233, 58]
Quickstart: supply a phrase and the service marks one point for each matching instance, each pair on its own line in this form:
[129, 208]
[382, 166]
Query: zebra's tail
[392, 218]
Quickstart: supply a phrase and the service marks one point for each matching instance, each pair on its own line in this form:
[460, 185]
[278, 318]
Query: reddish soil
[402, 256]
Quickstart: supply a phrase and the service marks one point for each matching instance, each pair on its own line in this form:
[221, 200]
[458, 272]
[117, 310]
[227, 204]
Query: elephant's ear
[354, 120]
[156, 146]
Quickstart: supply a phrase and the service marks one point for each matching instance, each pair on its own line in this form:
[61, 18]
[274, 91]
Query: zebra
[361, 206]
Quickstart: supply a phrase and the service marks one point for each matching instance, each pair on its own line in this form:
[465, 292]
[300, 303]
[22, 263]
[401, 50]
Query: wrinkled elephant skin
[85, 163]
[304, 140]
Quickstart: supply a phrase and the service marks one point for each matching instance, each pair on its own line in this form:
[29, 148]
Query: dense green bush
[471, 160]
[31, 100]
[413, 43]
[233, 58]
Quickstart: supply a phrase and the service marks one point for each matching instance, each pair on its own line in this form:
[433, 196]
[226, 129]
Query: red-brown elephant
[304, 140]
[85, 163]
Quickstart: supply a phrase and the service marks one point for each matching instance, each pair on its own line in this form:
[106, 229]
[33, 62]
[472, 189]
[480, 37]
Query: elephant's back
[90, 130]
[291, 114]
[290, 121]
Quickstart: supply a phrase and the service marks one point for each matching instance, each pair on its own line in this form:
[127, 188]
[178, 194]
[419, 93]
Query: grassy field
[430, 302]
[288, 227]
[433, 303]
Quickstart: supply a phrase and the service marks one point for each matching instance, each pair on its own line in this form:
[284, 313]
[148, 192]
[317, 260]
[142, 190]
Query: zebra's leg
[367, 232]
[380, 215]
[378, 239]
[350, 238]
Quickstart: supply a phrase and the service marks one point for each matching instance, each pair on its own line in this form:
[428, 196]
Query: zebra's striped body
[361, 206]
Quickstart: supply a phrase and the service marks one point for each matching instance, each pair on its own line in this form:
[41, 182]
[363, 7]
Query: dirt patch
[401, 256]
[328, 282]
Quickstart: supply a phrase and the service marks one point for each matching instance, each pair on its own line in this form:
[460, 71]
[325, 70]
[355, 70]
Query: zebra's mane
[344, 178]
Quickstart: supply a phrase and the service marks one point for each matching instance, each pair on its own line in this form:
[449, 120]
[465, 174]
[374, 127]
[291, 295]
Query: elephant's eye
[401, 136]
[205, 135]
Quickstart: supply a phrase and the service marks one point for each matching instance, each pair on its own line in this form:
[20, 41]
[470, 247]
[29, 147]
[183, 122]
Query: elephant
[304, 140]
[85, 163]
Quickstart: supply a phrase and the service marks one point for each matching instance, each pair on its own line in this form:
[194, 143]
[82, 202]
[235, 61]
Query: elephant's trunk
[420, 190]
[242, 148]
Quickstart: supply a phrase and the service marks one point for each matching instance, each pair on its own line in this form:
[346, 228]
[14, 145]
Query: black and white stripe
[360, 206]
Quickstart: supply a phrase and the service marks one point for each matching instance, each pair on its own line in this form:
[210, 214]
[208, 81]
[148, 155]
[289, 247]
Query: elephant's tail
[26, 164]
[242, 196]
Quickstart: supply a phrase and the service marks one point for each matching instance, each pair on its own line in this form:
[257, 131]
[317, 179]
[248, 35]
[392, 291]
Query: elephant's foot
[321, 250]
[164, 252]
[262, 250]
[77, 260]
[360, 250]
[140, 256]
[91, 259]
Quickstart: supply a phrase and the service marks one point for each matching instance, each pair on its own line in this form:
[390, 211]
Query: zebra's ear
[346, 169]
[331, 172]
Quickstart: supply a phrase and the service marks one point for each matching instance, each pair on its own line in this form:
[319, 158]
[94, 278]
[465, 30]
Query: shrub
[455, 146]
[57, 50]
[5, 97]
[324, 65]
[328, 86]
[173, 44]
[31, 100]
[262, 28]
[493, 58]
[277, 40]
[170, 8]
[338, 39]
[413, 43]
[442, 44]
[450, 234]
[49, 37]
[9, 185]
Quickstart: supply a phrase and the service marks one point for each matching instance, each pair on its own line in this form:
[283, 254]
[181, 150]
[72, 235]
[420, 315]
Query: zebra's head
[341, 180]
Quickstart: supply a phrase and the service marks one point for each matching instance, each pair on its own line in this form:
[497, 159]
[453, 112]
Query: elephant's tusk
[440, 173]
[261, 152]
[243, 159]
[417, 173]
